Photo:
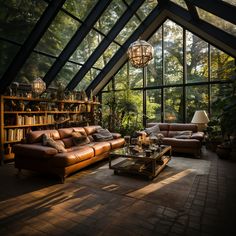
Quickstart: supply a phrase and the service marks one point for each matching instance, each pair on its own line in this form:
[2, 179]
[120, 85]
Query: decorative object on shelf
[38, 86]
[60, 92]
[140, 53]
[14, 87]
[201, 119]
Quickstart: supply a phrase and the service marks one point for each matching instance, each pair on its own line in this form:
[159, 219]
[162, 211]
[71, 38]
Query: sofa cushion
[72, 157]
[50, 142]
[32, 151]
[36, 136]
[80, 139]
[182, 127]
[117, 143]
[189, 143]
[91, 129]
[183, 134]
[153, 130]
[65, 132]
[102, 135]
[100, 147]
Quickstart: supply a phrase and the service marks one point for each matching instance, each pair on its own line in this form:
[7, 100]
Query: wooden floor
[199, 198]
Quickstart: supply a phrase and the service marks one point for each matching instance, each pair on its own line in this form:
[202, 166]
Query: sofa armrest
[198, 135]
[34, 150]
[116, 135]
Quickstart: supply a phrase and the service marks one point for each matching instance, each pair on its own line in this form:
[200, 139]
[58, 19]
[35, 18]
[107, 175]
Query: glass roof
[180, 3]
[232, 2]
[18, 20]
[217, 21]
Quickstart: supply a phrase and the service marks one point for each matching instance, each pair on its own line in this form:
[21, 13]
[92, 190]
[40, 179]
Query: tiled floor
[95, 202]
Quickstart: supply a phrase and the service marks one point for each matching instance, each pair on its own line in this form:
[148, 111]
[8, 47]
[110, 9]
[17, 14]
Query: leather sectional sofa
[32, 155]
[171, 131]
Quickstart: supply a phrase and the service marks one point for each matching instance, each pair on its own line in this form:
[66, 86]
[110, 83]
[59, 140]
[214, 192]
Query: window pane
[58, 34]
[110, 16]
[7, 53]
[222, 65]
[81, 8]
[129, 28]
[217, 21]
[153, 105]
[87, 79]
[36, 66]
[65, 75]
[196, 58]
[173, 107]
[197, 99]
[146, 8]
[135, 77]
[87, 47]
[180, 3]
[154, 68]
[173, 53]
[122, 111]
[121, 78]
[106, 56]
[218, 91]
[17, 18]
[232, 2]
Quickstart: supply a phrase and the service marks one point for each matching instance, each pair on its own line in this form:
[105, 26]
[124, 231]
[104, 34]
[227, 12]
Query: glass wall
[173, 90]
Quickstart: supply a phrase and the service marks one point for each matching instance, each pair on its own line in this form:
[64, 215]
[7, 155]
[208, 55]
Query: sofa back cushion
[65, 132]
[36, 136]
[50, 142]
[102, 135]
[91, 129]
[80, 138]
[164, 127]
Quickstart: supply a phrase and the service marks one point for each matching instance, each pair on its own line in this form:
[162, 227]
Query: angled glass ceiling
[232, 2]
[80, 8]
[180, 3]
[217, 21]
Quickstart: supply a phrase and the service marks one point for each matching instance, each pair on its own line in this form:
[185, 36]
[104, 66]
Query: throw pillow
[47, 141]
[184, 134]
[102, 135]
[153, 130]
[79, 138]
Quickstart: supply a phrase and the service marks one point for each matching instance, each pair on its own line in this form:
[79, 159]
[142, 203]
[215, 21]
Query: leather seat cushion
[72, 157]
[182, 142]
[116, 143]
[100, 147]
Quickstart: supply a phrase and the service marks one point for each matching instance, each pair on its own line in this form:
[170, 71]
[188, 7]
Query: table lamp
[201, 119]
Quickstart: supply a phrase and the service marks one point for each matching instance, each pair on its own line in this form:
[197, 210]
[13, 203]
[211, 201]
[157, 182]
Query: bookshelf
[20, 115]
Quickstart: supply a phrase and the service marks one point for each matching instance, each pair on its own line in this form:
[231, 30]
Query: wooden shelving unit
[20, 115]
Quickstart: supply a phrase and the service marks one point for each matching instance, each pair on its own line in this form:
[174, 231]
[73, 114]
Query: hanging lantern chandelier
[140, 53]
[38, 86]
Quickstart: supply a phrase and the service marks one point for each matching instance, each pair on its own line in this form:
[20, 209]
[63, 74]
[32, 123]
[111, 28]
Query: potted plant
[213, 134]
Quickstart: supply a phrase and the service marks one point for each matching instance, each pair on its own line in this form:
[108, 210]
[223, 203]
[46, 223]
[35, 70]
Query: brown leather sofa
[34, 156]
[190, 145]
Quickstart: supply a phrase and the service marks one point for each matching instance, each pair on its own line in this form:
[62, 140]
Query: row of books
[13, 134]
[35, 119]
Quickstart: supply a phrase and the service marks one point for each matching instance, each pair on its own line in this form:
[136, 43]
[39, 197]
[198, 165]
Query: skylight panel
[110, 16]
[217, 21]
[80, 9]
[180, 3]
[232, 2]
[146, 8]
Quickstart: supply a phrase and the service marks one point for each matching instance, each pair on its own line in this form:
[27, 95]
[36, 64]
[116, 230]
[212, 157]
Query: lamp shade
[140, 53]
[200, 117]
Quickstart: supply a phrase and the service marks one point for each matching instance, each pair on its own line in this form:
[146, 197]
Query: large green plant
[227, 105]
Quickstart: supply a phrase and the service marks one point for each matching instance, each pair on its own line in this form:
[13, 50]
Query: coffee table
[140, 163]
